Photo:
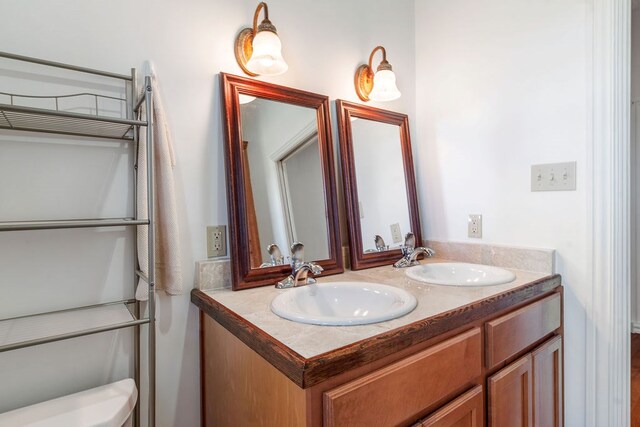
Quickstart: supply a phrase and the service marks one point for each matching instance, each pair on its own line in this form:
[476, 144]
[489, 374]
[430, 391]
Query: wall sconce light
[258, 49]
[378, 86]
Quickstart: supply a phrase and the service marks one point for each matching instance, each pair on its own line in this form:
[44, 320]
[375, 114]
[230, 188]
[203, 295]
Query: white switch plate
[553, 177]
[396, 233]
[474, 226]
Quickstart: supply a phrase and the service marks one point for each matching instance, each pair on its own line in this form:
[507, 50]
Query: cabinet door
[400, 393]
[511, 395]
[547, 384]
[464, 411]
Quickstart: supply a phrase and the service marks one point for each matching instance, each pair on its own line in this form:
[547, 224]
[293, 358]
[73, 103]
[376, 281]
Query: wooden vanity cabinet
[501, 370]
[399, 393]
[511, 395]
[547, 384]
[528, 392]
[510, 334]
[464, 411]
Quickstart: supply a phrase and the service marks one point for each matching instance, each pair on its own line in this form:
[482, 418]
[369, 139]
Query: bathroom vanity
[464, 357]
[457, 356]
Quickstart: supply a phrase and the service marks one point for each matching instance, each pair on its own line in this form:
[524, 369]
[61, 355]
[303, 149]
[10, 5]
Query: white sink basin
[343, 303]
[460, 274]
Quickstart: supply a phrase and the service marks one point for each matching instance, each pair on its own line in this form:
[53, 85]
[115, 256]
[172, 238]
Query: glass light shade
[384, 86]
[266, 59]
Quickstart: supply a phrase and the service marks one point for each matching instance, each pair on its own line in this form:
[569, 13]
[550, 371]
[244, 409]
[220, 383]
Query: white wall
[189, 42]
[303, 174]
[502, 85]
[268, 126]
[635, 165]
[382, 187]
[635, 53]
[490, 87]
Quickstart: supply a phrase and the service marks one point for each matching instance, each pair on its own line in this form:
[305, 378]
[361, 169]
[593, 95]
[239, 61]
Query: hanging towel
[168, 272]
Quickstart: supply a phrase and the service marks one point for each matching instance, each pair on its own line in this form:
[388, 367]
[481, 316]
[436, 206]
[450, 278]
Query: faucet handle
[380, 244]
[297, 254]
[275, 253]
[316, 269]
[409, 243]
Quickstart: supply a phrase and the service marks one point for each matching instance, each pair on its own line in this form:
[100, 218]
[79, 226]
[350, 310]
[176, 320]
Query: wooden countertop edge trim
[282, 357]
[308, 372]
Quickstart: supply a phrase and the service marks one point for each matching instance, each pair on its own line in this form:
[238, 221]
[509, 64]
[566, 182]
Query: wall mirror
[280, 180]
[379, 181]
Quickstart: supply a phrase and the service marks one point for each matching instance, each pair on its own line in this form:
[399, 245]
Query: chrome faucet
[276, 256]
[380, 244]
[299, 269]
[410, 252]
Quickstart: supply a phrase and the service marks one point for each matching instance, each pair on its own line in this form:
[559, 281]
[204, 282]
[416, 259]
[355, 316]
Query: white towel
[167, 246]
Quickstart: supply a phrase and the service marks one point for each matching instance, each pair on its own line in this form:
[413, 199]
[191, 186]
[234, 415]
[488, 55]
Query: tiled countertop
[311, 340]
[302, 351]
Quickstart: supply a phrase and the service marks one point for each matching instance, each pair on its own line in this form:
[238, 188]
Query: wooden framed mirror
[281, 185]
[379, 183]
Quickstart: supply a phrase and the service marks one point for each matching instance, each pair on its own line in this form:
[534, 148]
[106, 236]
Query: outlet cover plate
[216, 241]
[396, 233]
[553, 177]
[474, 226]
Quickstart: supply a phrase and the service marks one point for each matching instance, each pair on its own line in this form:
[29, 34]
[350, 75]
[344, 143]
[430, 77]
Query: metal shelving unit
[59, 122]
[69, 223]
[25, 331]
[41, 328]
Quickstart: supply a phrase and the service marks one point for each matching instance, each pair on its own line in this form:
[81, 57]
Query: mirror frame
[346, 110]
[243, 276]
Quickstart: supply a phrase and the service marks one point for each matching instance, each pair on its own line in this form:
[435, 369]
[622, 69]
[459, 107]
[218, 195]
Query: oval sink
[460, 274]
[343, 303]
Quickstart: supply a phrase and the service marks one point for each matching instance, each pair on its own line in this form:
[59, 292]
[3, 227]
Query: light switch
[553, 177]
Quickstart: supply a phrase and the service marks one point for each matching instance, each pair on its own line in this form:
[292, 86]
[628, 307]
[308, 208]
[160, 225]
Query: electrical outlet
[216, 241]
[396, 233]
[474, 226]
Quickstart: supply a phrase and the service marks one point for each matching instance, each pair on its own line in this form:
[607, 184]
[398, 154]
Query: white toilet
[110, 405]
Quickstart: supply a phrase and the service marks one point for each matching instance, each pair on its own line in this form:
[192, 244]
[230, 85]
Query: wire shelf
[69, 223]
[26, 331]
[61, 122]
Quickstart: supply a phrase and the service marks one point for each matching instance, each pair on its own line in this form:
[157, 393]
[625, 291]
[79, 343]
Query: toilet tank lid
[106, 406]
